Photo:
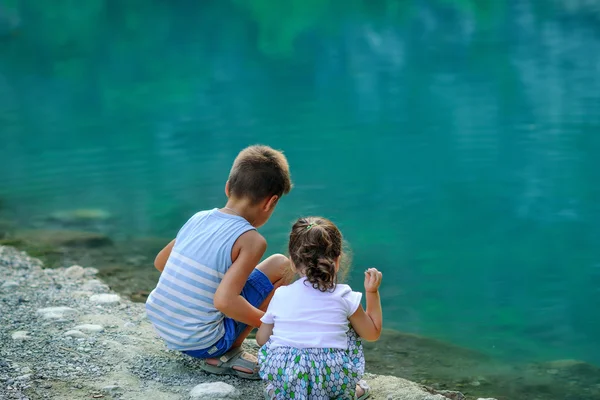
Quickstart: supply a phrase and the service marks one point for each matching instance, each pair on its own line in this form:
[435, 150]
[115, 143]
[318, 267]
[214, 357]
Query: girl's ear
[337, 263]
[227, 188]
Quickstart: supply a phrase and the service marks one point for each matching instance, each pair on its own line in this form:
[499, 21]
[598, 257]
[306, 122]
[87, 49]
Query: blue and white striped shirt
[181, 307]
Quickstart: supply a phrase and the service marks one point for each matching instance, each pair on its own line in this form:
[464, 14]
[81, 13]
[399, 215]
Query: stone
[25, 370]
[74, 272]
[214, 390]
[9, 285]
[90, 271]
[95, 286]
[89, 328]
[56, 312]
[105, 299]
[25, 377]
[111, 389]
[20, 335]
[129, 325]
[75, 334]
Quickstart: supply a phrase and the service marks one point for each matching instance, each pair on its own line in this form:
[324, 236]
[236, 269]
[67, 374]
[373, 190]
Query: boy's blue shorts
[257, 289]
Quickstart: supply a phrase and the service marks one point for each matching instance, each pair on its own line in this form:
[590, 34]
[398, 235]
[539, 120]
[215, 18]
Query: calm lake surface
[456, 145]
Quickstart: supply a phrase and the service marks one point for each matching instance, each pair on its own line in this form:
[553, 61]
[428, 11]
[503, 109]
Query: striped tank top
[181, 307]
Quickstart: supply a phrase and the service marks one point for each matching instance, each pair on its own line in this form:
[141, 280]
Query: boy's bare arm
[227, 298]
[161, 258]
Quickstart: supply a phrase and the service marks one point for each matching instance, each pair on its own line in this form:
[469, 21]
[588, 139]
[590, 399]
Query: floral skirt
[314, 373]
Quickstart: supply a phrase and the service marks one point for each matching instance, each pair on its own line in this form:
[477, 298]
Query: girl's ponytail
[315, 246]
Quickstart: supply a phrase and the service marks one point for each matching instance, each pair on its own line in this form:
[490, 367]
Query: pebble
[25, 370]
[105, 299]
[22, 378]
[89, 328]
[214, 390]
[74, 272]
[20, 335]
[129, 324]
[75, 334]
[57, 313]
[9, 285]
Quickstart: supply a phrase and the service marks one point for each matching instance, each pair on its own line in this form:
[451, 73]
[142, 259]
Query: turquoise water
[456, 143]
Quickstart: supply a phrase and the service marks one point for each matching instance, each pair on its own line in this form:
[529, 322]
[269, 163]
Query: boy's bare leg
[277, 269]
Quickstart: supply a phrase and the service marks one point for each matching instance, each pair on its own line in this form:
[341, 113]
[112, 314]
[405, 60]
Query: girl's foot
[363, 390]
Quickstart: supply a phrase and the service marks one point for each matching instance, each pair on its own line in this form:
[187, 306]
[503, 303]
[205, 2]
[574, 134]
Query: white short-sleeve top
[305, 317]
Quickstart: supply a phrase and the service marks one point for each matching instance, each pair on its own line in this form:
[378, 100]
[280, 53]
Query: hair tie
[310, 226]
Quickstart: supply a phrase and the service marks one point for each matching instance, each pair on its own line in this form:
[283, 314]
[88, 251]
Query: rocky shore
[65, 335]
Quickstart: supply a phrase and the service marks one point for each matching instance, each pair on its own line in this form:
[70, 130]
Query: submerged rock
[81, 215]
[64, 238]
[6, 228]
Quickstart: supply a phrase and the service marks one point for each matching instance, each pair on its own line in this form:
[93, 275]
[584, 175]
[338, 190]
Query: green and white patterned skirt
[293, 373]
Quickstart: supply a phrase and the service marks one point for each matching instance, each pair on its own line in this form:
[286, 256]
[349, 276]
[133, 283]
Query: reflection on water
[454, 143]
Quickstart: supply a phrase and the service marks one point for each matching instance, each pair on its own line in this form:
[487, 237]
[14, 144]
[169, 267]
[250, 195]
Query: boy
[211, 292]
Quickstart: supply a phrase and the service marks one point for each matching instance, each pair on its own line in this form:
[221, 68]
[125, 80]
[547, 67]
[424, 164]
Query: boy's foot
[363, 391]
[234, 362]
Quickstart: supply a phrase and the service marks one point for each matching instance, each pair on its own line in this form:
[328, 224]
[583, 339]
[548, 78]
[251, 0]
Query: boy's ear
[271, 202]
[227, 188]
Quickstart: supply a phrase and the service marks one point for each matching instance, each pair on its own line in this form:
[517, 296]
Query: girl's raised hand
[372, 280]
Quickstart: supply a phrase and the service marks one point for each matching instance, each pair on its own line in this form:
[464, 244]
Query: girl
[308, 350]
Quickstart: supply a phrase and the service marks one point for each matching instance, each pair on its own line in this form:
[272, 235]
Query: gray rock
[22, 378]
[214, 390]
[75, 334]
[129, 325]
[20, 335]
[56, 312]
[111, 389]
[89, 271]
[95, 286]
[105, 299]
[9, 285]
[89, 328]
[25, 370]
[74, 272]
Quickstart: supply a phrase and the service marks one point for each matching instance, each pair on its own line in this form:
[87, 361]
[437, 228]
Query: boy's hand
[372, 280]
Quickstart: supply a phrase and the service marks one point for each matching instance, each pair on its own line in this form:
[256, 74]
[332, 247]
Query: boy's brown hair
[259, 172]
